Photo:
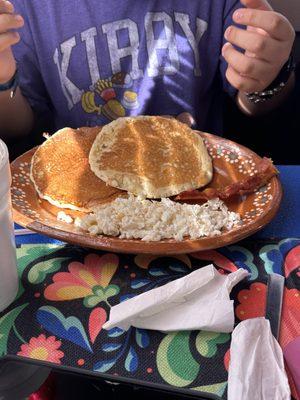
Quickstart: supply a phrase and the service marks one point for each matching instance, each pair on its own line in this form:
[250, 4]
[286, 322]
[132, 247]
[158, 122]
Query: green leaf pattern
[6, 325]
[175, 361]
[28, 253]
[207, 342]
[178, 366]
[101, 294]
[217, 388]
[39, 271]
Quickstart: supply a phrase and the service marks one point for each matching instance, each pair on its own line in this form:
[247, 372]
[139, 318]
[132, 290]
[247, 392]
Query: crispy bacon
[265, 171]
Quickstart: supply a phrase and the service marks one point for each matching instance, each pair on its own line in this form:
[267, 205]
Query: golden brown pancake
[153, 157]
[61, 173]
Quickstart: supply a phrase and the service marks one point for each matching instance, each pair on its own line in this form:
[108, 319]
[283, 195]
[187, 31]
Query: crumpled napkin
[199, 300]
[256, 369]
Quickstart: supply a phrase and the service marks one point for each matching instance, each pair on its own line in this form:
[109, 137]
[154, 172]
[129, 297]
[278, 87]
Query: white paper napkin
[199, 300]
[256, 369]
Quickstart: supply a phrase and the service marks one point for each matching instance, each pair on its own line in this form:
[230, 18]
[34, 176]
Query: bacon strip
[265, 171]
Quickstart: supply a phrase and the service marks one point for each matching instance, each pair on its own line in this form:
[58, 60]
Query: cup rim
[3, 154]
[5, 178]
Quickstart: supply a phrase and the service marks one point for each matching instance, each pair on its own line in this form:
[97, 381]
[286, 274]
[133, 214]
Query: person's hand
[8, 37]
[267, 42]
[187, 119]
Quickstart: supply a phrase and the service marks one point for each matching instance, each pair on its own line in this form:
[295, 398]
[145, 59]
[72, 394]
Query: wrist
[257, 109]
[7, 75]
[7, 66]
[11, 85]
[277, 86]
[6, 79]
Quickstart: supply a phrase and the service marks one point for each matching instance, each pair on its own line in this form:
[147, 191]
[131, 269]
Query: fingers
[257, 4]
[276, 25]
[242, 83]
[8, 39]
[6, 7]
[247, 66]
[9, 21]
[267, 42]
[263, 47]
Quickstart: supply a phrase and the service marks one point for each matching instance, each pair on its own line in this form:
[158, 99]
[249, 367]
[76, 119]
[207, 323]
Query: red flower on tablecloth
[227, 360]
[252, 302]
[290, 326]
[217, 258]
[89, 280]
[42, 348]
[292, 261]
[97, 319]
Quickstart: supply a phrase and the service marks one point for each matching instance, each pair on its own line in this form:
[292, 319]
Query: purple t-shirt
[92, 61]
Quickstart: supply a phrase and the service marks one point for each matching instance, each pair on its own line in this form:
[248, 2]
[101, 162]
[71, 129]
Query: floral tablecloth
[66, 293]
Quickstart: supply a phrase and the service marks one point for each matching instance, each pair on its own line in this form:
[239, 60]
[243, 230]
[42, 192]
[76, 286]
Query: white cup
[8, 263]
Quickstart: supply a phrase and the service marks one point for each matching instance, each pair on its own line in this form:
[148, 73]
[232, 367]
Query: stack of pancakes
[152, 157]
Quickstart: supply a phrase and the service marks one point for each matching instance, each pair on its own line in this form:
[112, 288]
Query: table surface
[287, 221]
[66, 292]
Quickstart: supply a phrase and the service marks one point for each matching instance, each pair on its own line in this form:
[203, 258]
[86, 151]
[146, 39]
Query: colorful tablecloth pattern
[66, 293]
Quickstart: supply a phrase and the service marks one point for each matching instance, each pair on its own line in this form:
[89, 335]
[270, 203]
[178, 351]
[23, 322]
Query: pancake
[61, 173]
[153, 157]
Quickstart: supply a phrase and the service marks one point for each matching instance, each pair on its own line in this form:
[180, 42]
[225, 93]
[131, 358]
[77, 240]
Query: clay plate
[232, 162]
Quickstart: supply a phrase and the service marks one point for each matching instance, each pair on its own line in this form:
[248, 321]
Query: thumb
[187, 119]
[257, 4]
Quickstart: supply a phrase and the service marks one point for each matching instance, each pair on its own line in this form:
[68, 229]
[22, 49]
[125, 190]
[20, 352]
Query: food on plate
[63, 217]
[122, 175]
[61, 174]
[151, 220]
[265, 171]
[153, 157]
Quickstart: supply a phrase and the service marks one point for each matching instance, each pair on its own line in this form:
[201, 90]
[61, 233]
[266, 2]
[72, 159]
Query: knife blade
[274, 302]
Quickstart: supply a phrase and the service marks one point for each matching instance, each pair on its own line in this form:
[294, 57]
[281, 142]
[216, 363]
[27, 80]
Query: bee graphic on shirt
[102, 99]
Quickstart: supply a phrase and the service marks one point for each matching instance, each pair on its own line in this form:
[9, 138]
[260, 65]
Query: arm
[267, 43]
[16, 115]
